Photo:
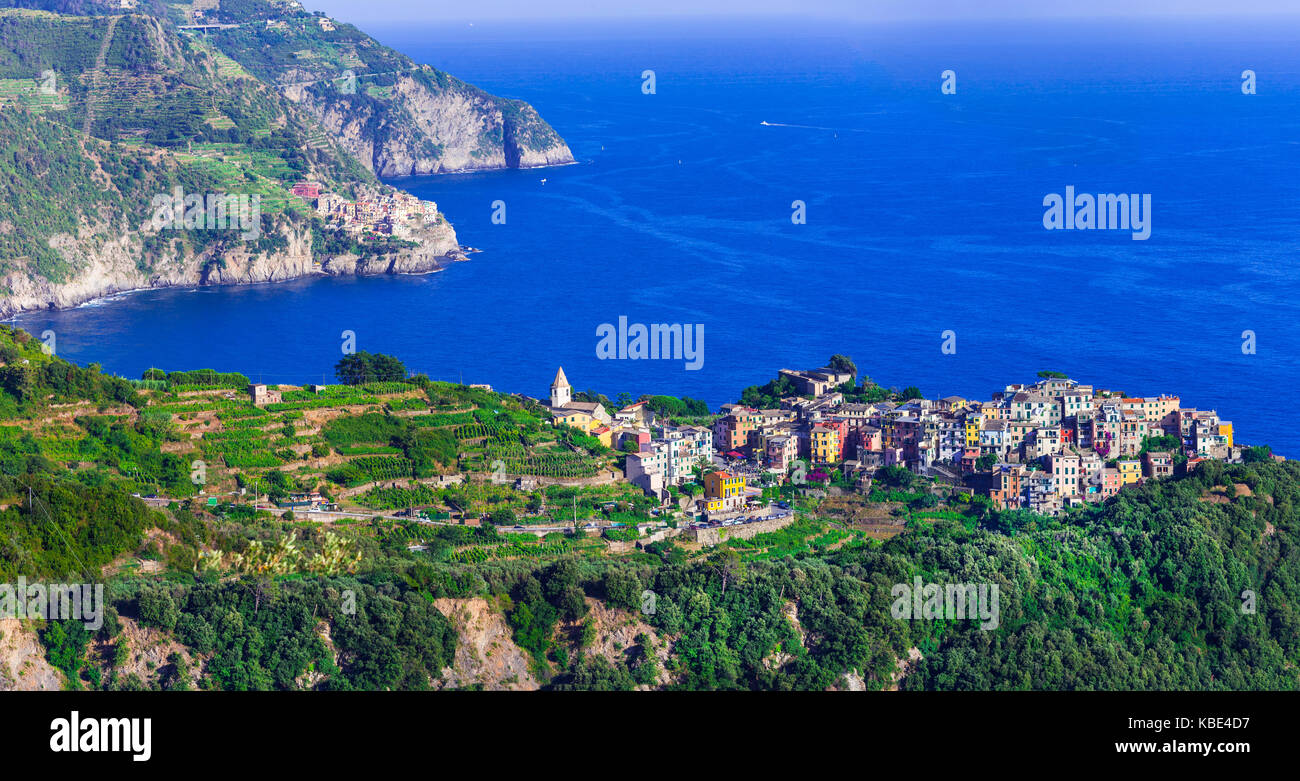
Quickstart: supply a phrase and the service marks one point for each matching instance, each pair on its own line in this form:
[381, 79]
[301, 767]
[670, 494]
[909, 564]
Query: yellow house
[825, 445]
[723, 491]
[1225, 430]
[723, 485]
[578, 419]
[605, 434]
[1129, 472]
[973, 430]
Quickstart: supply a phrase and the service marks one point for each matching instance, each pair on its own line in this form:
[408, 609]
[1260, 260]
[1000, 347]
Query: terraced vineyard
[384, 467]
[541, 463]
[28, 93]
[231, 165]
[316, 138]
[226, 68]
[243, 416]
[440, 420]
[218, 120]
[354, 435]
[511, 550]
[384, 388]
[241, 449]
[418, 495]
[498, 432]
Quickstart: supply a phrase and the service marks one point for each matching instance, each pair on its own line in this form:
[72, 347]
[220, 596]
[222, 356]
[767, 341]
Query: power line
[71, 549]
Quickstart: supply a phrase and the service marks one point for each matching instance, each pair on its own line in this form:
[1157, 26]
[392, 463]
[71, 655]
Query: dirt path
[96, 74]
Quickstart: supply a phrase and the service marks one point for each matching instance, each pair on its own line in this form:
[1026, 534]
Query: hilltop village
[813, 443]
[1045, 447]
[382, 212]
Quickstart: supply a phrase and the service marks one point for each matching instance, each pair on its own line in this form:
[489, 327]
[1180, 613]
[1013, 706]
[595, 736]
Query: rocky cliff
[397, 116]
[427, 127]
[109, 267]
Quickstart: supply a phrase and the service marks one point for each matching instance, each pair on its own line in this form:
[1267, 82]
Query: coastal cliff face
[287, 97]
[111, 267]
[430, 123]
[396, 116]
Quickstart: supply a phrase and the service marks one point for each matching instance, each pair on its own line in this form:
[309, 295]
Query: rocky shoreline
[9, 312]
[112, 271]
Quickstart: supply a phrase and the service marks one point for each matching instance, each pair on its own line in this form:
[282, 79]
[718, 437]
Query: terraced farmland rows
[384, 467]
[27, 93]
[519, 461]
[241, 449]
[478, 553]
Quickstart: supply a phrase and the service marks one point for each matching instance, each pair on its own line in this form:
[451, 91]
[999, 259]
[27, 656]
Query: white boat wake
[765, 123]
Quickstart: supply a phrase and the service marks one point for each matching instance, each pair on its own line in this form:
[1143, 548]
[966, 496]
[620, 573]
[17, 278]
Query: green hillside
[53, 180]
[102, 113]
[1188, 583]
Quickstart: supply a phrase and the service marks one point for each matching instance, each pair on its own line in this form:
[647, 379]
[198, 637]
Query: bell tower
[561, 390]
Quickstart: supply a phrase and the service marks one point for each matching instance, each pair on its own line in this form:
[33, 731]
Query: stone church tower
[561, 390]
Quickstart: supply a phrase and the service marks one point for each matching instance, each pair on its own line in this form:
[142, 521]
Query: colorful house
[576, 418]
[973, 423]
[1111, 482]
[825, 444]
[782, 452]
[1005, 491]
[1159, 465]
[723, 491]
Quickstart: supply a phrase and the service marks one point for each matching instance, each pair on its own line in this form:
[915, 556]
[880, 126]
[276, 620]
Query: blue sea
[923, 215]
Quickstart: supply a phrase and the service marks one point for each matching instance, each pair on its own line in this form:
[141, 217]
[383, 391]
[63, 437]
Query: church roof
[560, 380]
